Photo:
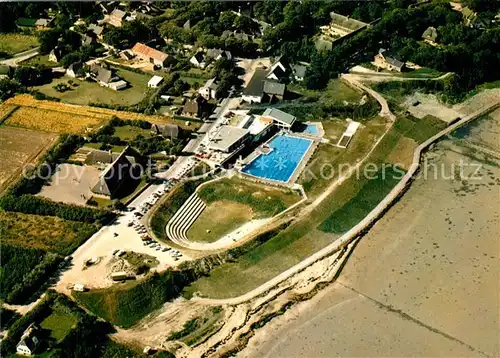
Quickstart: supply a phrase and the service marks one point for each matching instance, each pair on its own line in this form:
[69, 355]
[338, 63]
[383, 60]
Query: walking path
[20, 57]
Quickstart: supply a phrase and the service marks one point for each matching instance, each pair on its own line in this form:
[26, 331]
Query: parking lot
[127, 233]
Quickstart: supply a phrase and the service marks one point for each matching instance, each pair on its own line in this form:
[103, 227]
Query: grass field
[65, 113]
[263, 200]
[59, 323]
[124, 305]
[371, 193]
[48, 233]
[220, 217]
[89, 91]
[19, 147]
[419, 129]
[328, 159]
[336, 91]
[40, 60]
[14, 43]
[128, 133]
[291, 245]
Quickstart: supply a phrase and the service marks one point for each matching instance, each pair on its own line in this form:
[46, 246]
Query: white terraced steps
[182, 220]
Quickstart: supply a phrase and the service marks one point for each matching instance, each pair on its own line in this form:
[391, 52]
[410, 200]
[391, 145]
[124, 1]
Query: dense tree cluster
[471, 54]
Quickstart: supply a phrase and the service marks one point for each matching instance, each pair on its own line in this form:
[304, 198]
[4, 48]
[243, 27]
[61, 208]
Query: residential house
[194, 108]
[198, 59]
[99, 157]
[116, 17]
[73, 69]
[42, 24]
[155, 81]
[55, 55]
[209, 89]
[253, 91]
[29, 342]
[299, 72]
[280, 118]
[261, 88]
[116, 176]
[217, 54]
[151, 55]
[167, 131]
[127, 55]
[96, 29]
[89, 38]
[280, 70]
[430, 35]
[237, 35]
[106, 77]
[385, 59]
[273, 91]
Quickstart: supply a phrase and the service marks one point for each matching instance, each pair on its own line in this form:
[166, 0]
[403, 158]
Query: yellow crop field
[6, 109]
[51, 121]
[64, 120]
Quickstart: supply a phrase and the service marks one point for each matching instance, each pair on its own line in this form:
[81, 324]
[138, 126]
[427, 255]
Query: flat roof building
[228, 138]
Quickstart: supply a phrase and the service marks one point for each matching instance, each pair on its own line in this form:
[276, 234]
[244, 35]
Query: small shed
[155, 81]
[118, 85]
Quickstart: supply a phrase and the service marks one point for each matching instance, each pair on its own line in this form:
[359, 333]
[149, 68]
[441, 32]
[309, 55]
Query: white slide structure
[182, 220]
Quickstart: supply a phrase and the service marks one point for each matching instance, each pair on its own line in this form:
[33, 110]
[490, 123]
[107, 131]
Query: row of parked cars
[141, 229]
[152, 199]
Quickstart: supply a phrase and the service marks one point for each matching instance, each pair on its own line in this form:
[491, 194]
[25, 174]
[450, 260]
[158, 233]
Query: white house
[198, 60]
[209, 89]
[28, 342]
[155, 81]
[73, 69]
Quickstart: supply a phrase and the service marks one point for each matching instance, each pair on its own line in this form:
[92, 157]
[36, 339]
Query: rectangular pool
[311, 129]
[280, 164]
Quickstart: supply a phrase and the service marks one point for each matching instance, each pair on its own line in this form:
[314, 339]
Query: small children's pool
[280, 164]
[311, 129]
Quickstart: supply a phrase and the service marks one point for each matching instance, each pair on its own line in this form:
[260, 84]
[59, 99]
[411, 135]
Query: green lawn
[265, 201]
[419, 129]
[114, 148]
[91, 92]
[219, 218]
[328, 159]
[336, 91]
[59, 324]
[14, 43]
[371, 193]
[128, 133]
[423, 72]
[40, 60]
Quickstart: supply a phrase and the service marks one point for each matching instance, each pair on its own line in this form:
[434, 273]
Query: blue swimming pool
[286, 155]
[311, 129]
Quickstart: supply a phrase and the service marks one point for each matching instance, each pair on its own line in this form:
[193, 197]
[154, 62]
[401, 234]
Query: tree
[226, 20]
[245, 24]
[48, 40]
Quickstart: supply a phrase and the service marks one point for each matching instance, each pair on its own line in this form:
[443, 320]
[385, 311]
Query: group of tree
[130, 33]
[227, 73]
[471, 54]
